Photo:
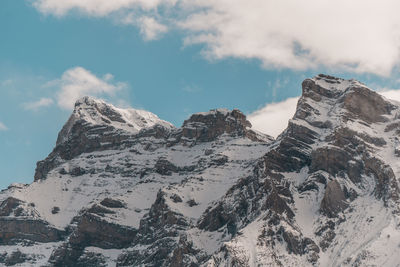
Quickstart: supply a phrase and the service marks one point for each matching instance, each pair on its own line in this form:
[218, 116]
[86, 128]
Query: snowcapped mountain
[125, 188]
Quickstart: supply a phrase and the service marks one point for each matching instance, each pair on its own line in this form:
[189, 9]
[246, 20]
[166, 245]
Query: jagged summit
[326, 99]
[92, 111]
[206, 126]
[130, 119]
[331, 82]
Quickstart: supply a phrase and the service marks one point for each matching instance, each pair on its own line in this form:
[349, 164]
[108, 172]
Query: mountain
[125, 188]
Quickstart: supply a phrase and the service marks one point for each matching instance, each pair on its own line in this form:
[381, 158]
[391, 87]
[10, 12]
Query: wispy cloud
[36, 105]
[3, 127]
[96, 8]
[73, 84]
[284, 34]
[151, 29]
[78, 82]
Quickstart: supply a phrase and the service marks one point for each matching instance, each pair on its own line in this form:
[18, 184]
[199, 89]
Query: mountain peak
[356, 100]
[92, 111]
[206, 126]
[327, 86]
[220, 115]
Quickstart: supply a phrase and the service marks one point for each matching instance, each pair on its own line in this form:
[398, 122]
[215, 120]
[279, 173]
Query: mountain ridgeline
[125, 188]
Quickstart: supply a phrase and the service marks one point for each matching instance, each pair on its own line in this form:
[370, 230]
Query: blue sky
[161, 56]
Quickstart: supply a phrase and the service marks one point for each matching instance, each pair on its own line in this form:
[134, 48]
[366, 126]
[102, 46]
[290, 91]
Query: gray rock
[334, 200]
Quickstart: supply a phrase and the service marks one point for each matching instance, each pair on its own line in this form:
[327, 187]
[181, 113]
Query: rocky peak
[206, 126]
[358, 101]
[89, 111]
[97, 126]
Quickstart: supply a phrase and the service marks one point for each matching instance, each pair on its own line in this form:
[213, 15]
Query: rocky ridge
[124, 188]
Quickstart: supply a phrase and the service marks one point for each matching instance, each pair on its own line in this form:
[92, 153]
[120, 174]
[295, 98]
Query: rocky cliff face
[124, 188]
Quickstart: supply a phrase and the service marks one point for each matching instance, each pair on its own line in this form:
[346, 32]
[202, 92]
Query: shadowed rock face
[366, 105]
[334, 200]
[94, 231]
[13, 230]
[205, 127]
[9, 205]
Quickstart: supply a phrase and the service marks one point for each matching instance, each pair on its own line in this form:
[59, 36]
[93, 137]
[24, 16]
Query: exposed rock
[93, 231]
[91, 259]
[366, 104]
[298, 244]
[8, 205]
[334, 200]
[15, 258]
[164, 167]
[77, 171]
[192, 202]
[176, 198]
[336, 161]
[100, 210]
[65, 255]
[112, 203]
[293, 151]
[386, 184]
[55, 210]
[219, 160]
[277, 204]
[13, 230]
[207, 126]
[216, 218]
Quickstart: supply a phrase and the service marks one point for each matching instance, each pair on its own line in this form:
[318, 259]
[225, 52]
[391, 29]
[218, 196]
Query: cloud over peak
[78, 82]
[73, 84]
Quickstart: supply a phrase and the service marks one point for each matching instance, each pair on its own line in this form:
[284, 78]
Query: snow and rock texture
[124, 188]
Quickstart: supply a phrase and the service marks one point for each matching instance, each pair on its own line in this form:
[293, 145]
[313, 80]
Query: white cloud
[151, 29]
[3, 127]
[78, 82]
[358, 35]
[273, 118]
[390, 94]
[96, 8]
[43, 102]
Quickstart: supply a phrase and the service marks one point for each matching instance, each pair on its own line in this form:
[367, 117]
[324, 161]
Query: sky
[178, 57]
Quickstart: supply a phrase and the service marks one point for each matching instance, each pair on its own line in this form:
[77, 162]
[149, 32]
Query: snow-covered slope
[124, 188]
